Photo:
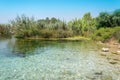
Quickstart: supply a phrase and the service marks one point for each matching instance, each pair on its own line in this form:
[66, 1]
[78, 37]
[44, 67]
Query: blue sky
[63, 9]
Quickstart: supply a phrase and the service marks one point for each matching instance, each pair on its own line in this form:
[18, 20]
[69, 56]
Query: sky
[62, 9]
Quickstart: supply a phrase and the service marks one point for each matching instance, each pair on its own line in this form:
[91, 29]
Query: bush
[117, 33]
[5, 30]
[46, 33]
[64, 34]
[103, 34]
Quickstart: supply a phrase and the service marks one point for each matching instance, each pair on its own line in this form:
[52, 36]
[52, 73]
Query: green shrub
[103, 34]
[64, 34]
[5, 30]
[46, 33]
[117, 33]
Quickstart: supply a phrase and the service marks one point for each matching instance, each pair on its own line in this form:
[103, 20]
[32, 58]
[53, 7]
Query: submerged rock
[67, 58]
[105, 49]
[91, 77]
[114, 52]
[98, 73]
[116, 59]
[107, 77]
[103, 54]
[113, 62]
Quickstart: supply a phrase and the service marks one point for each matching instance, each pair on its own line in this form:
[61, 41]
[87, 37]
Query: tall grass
[5, 30]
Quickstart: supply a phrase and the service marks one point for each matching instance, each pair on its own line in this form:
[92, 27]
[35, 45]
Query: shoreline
[113, 53]
[76, 38]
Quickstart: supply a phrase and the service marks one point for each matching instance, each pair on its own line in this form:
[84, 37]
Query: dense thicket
[53, 28]
[44, 28]
[106, 19]
[102, 27]
[83, 27]
[5, 30]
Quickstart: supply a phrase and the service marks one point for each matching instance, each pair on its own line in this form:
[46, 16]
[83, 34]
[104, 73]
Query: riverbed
[54, 60]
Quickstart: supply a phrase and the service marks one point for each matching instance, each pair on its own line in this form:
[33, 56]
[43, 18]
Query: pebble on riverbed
[113, 62]
[103, 54]
[98, 73]
[116, 59]
[116, 52]
[106, 77]
[105, 49]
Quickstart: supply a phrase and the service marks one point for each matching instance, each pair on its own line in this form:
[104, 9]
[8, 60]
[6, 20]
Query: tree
[116, 18]
[88, 24]
[104, 20]
[76, 26]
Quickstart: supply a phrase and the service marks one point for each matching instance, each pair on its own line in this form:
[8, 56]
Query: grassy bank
[75, 38]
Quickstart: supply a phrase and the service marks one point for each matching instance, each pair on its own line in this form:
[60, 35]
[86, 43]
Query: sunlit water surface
[53, 60]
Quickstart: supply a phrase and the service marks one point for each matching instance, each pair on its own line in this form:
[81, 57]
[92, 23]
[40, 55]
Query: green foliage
[116, 34]
[48, 28]
[5, 30]
[64, 34]
[25, 27]
[116, 18]
[104, 34]
[106, 19]
[101, 28]
[47, 33]
[76, 26]
[84, 27]
[88, 25]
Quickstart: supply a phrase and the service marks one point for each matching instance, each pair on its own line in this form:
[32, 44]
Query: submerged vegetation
[103, 27]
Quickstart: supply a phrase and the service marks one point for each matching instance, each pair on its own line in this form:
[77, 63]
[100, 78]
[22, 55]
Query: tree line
[102, 27]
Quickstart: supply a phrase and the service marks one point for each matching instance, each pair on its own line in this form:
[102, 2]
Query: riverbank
[113, 53]
[75, 38]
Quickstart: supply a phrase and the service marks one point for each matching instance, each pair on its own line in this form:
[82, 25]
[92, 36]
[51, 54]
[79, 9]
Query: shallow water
[58, 60]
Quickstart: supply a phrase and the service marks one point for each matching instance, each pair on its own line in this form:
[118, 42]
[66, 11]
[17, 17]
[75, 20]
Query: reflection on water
[24, 48]
[53, 60]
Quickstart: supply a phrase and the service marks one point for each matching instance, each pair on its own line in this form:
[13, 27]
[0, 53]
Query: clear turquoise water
[48, 60]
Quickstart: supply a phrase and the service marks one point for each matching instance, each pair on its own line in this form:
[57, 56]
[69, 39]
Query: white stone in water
[105, 49]
[118, 52]
[14, 70]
